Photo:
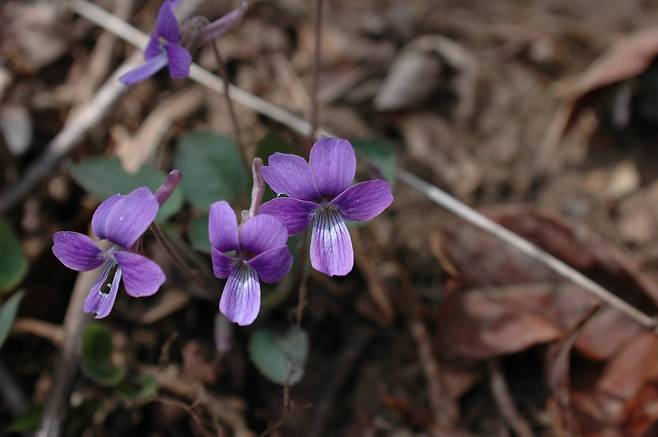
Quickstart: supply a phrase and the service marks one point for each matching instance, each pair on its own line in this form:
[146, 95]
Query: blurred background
[540, 114]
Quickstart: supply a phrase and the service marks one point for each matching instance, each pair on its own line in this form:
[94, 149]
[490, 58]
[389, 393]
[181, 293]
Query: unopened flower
[164, 49]
[121, 220]
[256, 249]
[321, 193]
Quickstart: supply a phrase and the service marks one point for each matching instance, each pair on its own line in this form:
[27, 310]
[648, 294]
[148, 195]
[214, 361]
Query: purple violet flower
[256, 249]
[321, 193]
[164, 48]
[121, 220]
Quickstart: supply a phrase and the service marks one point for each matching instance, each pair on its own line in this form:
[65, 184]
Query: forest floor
[542, 115]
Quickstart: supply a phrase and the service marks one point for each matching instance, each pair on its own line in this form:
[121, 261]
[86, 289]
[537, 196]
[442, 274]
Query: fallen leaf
[422, 67]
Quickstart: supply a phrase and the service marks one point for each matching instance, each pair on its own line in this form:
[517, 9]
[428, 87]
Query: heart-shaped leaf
[212, 168]
[197, 230]
[380, 153]
[281, 358]
[13, 265]
[97, 356]
[104, 177]
[8, 314]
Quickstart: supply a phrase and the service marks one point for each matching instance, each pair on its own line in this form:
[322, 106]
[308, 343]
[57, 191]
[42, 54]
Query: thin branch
[104, 19]
[11, 392]
[302, 291]
[221, 66]
[505, 402]
[57, 404]
[77, 125]
[89, 114]
[317, 60]
[180, 262]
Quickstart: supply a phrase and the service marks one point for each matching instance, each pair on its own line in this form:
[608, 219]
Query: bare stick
[443, 410]
[91, 113]
[505, 402]
[317, 58]
[221, 66]
[188, 271]
[11, 392]
[433, 193]
[76, 127]
[57, 404]
[302, 291]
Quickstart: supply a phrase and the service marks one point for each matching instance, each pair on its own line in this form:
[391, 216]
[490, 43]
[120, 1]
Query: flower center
[106, 286]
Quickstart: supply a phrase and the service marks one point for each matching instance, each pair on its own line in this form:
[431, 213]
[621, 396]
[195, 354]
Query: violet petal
[293, 213]
[99, 302]
[130, 217]
[261, 233]
[223, 227]
[333, 162]
[77, 251]
[166, 24]
[222, 265]
[153, 47]
[141, 276]
[99, 218]
[272, 265]
[364, 200]
[179, 61]
[331, 245]
[290, 174]
[240, 300]
[145, 70]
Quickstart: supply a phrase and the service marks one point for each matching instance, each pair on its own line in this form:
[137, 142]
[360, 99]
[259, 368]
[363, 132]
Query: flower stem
[258, 187]
[302, 291]
[316, 69]
[221, 67]
[179, 261]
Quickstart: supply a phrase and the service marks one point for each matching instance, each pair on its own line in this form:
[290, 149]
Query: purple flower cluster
[165, 46]
[164, 49]
[121, 220]
[320, 194]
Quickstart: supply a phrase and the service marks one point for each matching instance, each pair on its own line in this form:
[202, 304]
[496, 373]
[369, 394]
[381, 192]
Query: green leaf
[212, 168]
[97, 356]
[280, 358]
[380, 153]
[28, 422]
[13, 265]
[273, 143]
[197, 230]
[8, 314]
[140, 391]
[104, 177]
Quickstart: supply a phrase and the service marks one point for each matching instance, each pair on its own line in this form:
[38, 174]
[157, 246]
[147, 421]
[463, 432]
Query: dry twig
[49, 331]
[505, 402]
[57, 404]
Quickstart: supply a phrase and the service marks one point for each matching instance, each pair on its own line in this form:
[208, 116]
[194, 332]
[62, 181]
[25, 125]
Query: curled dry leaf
[421, 67]
[627, 58]
[540, 312]
[487, 323]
